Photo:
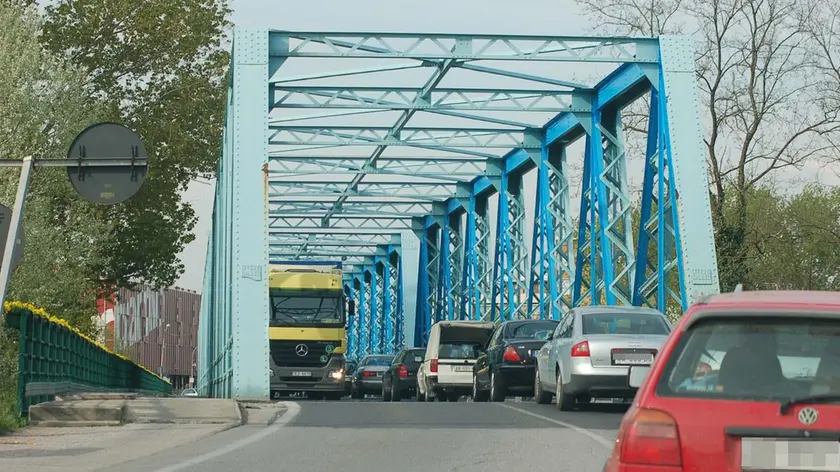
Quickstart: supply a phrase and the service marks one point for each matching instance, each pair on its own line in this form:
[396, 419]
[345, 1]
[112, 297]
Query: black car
[508, 362]
[400, 380]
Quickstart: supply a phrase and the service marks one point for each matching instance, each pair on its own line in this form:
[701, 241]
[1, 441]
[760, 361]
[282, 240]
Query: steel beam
[462, 47]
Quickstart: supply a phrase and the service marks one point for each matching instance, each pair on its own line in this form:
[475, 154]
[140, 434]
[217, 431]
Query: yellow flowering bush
[15, 305]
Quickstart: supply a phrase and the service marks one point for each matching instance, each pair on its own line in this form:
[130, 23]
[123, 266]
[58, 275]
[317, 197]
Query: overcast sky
[557, 17]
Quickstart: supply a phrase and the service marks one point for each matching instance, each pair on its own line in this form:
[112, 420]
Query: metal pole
[17, 217]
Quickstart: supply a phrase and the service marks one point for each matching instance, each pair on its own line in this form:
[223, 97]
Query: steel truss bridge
[339, 146]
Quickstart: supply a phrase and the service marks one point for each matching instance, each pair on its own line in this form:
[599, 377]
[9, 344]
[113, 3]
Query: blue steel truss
[351, 139]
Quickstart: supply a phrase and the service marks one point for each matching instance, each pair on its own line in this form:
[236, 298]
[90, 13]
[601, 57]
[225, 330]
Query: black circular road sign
[5, 226]
[107, 184]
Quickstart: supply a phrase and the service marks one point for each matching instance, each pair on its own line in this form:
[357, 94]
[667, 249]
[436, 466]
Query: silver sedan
[589, 354]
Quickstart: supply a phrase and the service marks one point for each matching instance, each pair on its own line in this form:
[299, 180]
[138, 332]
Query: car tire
[395, 394]
[498, 392]
[562, 400]
[386, 393]
[540, 396]
[478, 395]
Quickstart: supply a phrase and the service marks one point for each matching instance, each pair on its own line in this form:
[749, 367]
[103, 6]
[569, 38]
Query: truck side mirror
[351, 308]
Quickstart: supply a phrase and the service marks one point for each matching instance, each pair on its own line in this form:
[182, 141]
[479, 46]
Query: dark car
[367, 378]
[348, 375]
[400, 380]
[508, 362]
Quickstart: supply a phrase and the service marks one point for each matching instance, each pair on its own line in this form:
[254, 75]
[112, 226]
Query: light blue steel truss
[347, 156]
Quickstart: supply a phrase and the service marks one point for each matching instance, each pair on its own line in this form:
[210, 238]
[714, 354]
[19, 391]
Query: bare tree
[765, 83]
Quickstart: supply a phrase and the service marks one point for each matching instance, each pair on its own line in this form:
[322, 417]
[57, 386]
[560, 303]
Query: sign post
[106, 164]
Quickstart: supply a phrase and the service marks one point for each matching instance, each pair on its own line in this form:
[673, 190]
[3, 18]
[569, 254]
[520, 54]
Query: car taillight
[650, 437]
[368, 373]
[433, 365]
[581, 349]
[511, 355]
[403, 371]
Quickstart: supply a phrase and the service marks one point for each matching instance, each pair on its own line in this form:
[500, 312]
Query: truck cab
[306, 331]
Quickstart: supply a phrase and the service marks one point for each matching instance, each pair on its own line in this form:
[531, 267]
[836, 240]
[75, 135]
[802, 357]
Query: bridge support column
[552, 266]
[511, 261]
[676, 211]
[238, 360]
[352, 321]
[371, 306]
[428, 231]
[395, 292]
[455, 245]
[383, 303]
[478, 276]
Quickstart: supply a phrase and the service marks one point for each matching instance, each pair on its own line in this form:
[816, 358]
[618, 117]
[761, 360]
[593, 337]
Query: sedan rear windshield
[625, 323]
[538, 330]
[378, 360]
[414, 356]
[755, 358]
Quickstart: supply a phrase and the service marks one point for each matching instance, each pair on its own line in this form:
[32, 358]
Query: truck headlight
[337, 374]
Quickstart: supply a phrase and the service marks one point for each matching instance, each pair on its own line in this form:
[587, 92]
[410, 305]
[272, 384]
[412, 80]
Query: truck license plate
[463, 368]
[301, 374]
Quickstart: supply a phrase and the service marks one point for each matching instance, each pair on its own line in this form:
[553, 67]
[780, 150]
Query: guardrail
[56, 358]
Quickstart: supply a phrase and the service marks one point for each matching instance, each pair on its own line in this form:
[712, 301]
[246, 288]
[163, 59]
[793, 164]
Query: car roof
[514, 322]
[586, 310]
[774, 297]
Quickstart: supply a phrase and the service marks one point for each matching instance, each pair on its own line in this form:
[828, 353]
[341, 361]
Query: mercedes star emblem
[301, 350]
[808, 415]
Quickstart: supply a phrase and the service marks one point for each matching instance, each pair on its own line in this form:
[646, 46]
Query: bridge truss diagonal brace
[241, 232]
[605, 244]
[478, 266]
[552, 266]
[510, 267]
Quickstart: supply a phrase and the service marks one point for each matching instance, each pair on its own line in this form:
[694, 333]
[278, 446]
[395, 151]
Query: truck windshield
[300, 308]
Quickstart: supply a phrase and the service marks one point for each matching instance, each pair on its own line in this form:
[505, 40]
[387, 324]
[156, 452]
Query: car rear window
[459, 350]
[754, 358]
[538, 330]
[625, 323]
[414, 356]
[378, 361]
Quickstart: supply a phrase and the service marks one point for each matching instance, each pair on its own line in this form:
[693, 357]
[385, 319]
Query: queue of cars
[583, 356]
[744, 381]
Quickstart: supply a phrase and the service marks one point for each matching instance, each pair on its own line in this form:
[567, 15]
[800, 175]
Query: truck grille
[284, 353]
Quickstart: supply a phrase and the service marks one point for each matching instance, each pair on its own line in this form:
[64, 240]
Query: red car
[746, 381]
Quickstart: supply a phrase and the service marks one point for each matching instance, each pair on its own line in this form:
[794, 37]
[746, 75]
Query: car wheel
[497, 388]
[540, 396]
[563, 401]
[396, 395]
[478, 395]
[386, 393]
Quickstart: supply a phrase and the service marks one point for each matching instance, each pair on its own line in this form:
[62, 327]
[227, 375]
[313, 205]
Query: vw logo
[301, 350]
[808, 415]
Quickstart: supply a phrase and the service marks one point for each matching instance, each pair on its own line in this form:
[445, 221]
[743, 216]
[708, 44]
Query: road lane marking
[292, 411]
[595, 436]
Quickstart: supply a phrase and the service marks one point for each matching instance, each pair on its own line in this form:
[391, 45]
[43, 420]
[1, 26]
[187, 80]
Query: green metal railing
[55, 358]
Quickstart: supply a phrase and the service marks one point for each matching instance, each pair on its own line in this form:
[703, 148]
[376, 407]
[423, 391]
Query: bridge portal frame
[459, 275]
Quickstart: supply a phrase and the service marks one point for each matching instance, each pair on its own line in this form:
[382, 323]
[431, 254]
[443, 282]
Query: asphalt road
[371, 436]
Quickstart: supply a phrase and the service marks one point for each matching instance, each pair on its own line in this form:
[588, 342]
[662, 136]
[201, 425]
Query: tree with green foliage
[44, 103]
[160, 67]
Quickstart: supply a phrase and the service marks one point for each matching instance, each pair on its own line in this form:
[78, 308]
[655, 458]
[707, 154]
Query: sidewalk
[87, 449]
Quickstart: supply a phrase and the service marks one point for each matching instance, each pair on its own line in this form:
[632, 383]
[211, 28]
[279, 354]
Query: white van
[446, 372]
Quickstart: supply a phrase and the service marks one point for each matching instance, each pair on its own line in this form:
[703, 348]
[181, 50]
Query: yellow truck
[307, 329]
